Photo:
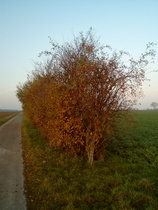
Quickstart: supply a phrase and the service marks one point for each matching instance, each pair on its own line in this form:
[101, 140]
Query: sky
[26, 25]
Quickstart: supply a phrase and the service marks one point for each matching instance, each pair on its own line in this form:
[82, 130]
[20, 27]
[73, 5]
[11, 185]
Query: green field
[5, 116]
[127, 179]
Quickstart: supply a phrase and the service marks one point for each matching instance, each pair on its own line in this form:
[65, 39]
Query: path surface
[11, 166]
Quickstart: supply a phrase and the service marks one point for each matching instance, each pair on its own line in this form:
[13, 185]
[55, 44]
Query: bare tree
[154, 105]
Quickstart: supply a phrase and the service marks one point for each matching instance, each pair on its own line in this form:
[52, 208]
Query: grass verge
[8, 116]
[127, 179]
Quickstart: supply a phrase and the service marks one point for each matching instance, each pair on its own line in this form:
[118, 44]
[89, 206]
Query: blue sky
[26, 25]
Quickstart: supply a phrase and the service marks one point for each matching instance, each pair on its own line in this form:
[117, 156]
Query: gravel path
[11, 166]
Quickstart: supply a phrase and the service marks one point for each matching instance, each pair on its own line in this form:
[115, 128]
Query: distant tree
[154, 105]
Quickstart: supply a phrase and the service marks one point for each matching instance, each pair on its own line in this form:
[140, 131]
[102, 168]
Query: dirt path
[11, 166]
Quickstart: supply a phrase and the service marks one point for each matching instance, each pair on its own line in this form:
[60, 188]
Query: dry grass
[5, 116]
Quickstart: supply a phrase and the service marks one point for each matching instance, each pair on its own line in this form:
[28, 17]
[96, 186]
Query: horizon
[26, 26]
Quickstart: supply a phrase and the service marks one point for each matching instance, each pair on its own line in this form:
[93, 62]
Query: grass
[5, 116]
[127, 179]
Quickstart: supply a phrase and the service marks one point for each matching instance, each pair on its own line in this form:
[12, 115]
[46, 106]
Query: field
[127, 179]
[5, 116]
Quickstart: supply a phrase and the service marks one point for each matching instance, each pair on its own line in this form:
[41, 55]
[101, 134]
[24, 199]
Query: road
[11, 166]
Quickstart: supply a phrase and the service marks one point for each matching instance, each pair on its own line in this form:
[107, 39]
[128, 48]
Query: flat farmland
[5, 116]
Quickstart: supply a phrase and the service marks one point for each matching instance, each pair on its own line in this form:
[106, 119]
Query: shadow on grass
[55, 180]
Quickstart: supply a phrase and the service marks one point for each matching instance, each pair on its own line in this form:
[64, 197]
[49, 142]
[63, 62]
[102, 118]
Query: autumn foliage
[75, 97]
